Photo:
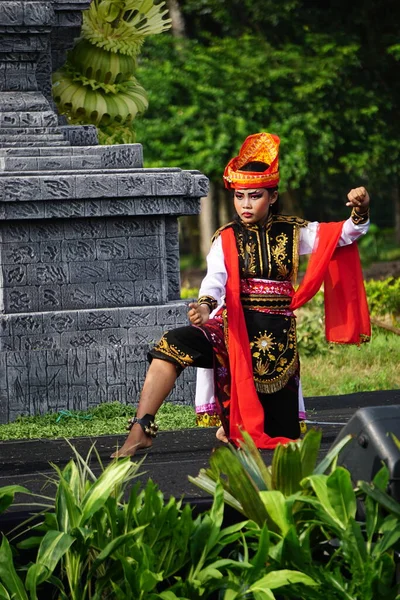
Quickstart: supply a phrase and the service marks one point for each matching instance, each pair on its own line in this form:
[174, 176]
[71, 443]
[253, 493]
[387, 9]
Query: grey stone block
[138, 184]
[40, 342]
[21, 300]
[116, 366]
[149, 293]
[81, 339]
[93, 272]
[144, 335]
[77, 397]
[125, 227]
[78, 296]
[114, 337]
[14, 275]
[137, 317]
[112, 249]
[20, 253]
[117, 393]
[37, 368]
[47, 231]
[144, 247]
[60, 187]
[78, 250]
[98, 320]
[26, 324]
[48, 274]
[60, 322]
[124, 156]
[110, 294]
[96, 186]
[22, 210]
[77, 362]
[49, 297]
[67, 209]
[5, 329]
[130, 270]
[50, 252]
[85, 229]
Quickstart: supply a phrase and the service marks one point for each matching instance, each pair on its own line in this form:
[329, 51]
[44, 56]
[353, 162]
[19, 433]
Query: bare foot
[221, 435]
[136, 440]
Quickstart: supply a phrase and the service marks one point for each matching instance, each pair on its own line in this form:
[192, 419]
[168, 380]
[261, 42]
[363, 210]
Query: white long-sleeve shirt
[214, 282]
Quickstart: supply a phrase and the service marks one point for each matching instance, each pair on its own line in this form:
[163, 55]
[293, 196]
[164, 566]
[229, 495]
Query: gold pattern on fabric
[279, 253]
[269, 250]
[206, 420]
[183, 359]
[274, 356]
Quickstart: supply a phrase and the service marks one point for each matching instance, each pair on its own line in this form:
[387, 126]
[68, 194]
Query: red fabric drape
[346, 319]
[246, 411]
[339, 269]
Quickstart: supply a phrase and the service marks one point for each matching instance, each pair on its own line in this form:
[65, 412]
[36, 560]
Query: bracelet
[208, 301]
[359, 218]
[146, 423]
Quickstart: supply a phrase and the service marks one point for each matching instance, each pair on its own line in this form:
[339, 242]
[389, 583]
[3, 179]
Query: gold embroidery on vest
[251, 255]
[279, 253]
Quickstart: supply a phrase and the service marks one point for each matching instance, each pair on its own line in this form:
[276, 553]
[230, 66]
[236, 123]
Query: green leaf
[320, 487]
[8, 573]
[259, 560]
[341, 495]
[388, 539]
[112, 546]
[105, 485]
[381, 497]
[286, 469]
[332, 454]
[4, 595]
[309, 450]
[277, 579]
[239, 484]
[275, 504]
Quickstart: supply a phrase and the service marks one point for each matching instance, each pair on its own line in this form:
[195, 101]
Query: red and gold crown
[262, 147]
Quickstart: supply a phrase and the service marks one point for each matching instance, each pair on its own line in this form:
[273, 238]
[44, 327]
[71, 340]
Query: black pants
[281, 409]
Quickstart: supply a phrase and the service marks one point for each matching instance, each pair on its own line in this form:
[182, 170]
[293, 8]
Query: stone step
[30, 130]
[29, 144]
[26, 101]
[46, 118]
[119, 156]
[40, 137]
[49, 163]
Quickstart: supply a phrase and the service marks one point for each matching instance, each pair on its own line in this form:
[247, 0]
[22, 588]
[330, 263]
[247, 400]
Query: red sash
[344, 300]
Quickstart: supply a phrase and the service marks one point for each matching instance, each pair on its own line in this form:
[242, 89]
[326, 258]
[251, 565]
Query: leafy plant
[312, 517]
[97, 83]
[384, 297]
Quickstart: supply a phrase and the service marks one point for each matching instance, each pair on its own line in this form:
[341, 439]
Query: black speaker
[373, 444]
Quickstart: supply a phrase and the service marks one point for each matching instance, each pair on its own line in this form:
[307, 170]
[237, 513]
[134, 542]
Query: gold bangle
[208, 301]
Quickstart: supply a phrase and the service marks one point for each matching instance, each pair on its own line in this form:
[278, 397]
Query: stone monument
[89, 238]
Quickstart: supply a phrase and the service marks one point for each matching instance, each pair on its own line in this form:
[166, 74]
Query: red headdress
[260, 147]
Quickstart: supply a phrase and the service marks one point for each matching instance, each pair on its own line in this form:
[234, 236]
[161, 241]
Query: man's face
[252, 205]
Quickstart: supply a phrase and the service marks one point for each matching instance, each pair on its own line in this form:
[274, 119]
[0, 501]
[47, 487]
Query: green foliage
[312, 517]
[384, 297]
[143, 548]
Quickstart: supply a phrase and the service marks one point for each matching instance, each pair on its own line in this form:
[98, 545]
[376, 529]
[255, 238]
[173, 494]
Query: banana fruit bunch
[97, 84]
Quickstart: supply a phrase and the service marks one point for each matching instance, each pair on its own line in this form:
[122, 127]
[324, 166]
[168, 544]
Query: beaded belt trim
[271, 302]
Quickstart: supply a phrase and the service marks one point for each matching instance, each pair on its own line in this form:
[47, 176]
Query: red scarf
[342, 275]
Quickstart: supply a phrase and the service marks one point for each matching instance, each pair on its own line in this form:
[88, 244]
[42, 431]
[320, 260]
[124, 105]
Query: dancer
[243, 329]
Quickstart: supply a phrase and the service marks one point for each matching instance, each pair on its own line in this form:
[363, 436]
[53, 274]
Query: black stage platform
[175, 454]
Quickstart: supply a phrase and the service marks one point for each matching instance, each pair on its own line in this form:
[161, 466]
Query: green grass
[348, 369]
[105, 419]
